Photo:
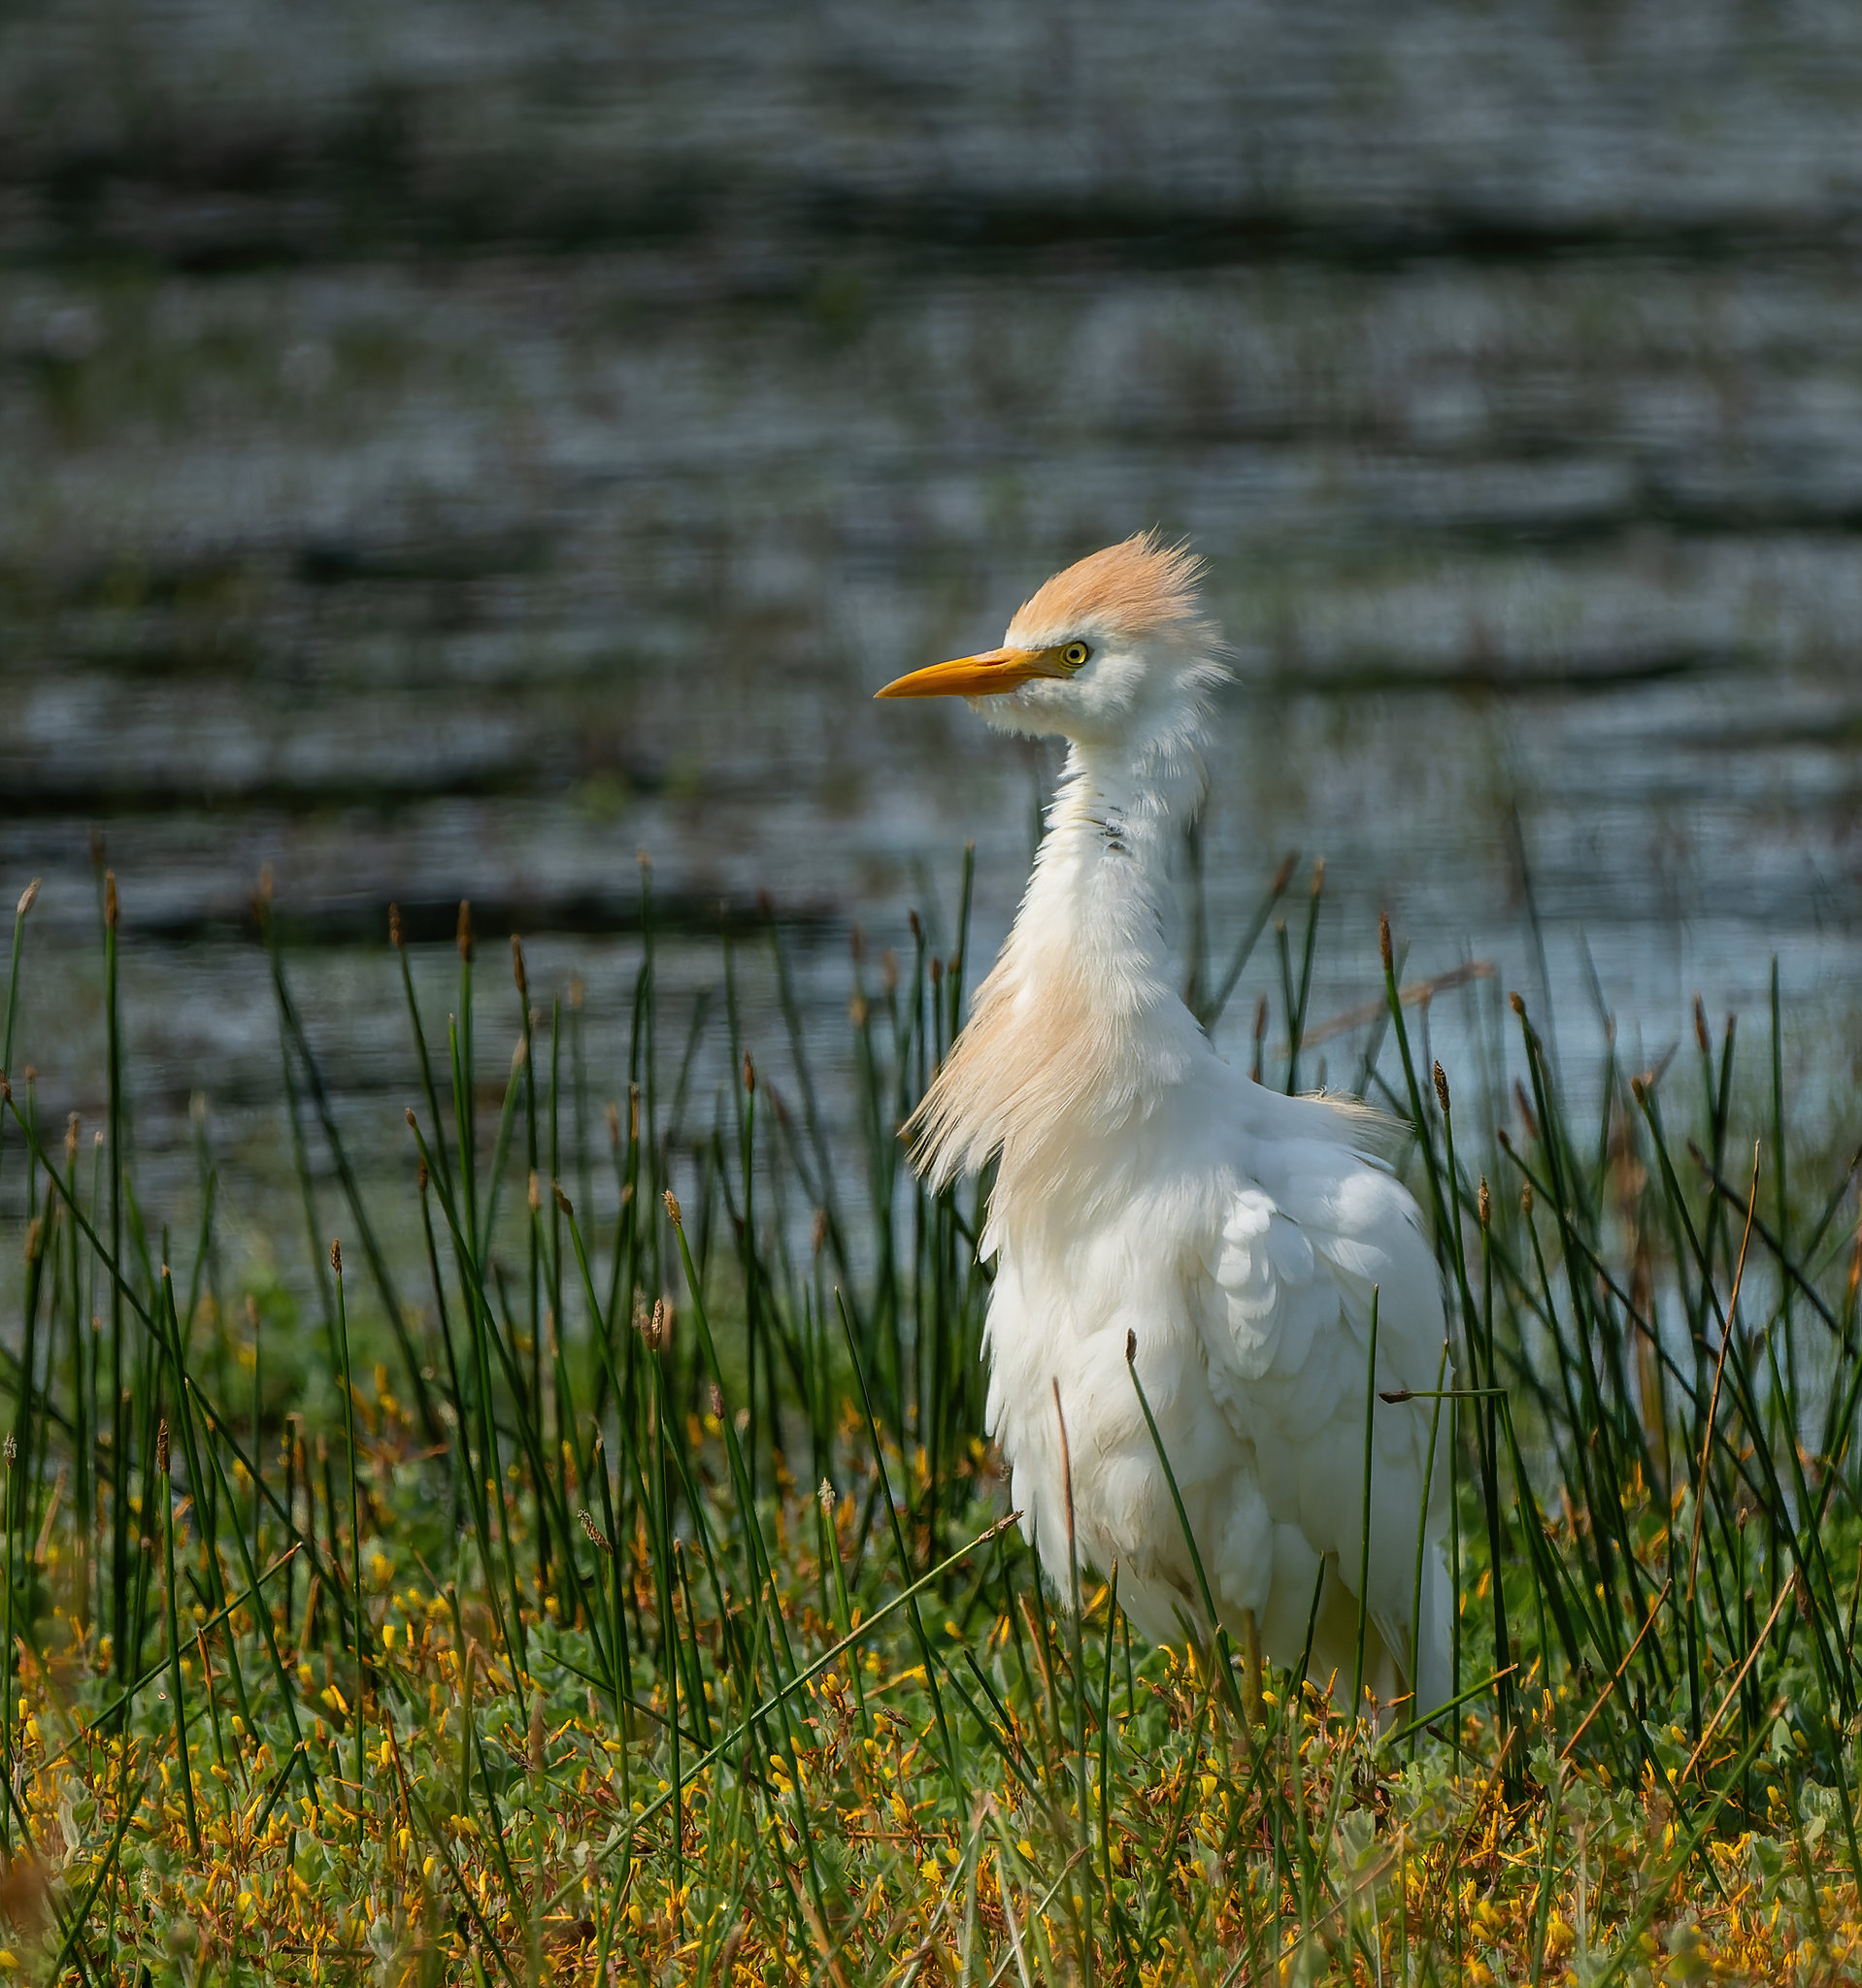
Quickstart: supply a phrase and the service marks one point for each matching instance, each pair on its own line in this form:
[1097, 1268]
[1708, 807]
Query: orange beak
[988, 675]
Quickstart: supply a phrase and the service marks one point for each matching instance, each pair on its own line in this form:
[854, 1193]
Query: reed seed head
[336, 1257]
[818, 1232]
[161, 1448]
[1260, 1019]
[1525, 1199]
[750, 1075]
[28, 898]
[562, 1201]
[518, 971]
[1442, 1090]
[534, 1195]
[111, 905]
[1699, 1027]
[826, 1495]
[35, 1239]
[463, 933]
[1283, 875]
[1518, 1005]
[633, 1111]
[1318, 878]
[396, 937]
[937, 971]
[1384, 942]
[71, 1138]
[413, 1121]
[1483, 1203]
[889, 971]
[715, 1399]
[673, 1213]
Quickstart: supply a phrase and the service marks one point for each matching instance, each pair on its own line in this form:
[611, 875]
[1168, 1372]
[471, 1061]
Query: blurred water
[490, 445]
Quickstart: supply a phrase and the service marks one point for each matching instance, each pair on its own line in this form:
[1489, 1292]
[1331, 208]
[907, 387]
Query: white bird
[1145, 1187]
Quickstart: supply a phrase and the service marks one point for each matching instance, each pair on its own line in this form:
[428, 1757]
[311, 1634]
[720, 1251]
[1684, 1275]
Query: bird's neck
[1099, 900]
[1078, 1031]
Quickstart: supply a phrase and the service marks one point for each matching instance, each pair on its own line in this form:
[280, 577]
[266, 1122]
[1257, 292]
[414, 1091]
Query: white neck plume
[1078, 1027]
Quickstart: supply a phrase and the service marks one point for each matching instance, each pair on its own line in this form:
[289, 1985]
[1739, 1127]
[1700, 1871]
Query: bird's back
[1236, 1235]
[1321, 1232]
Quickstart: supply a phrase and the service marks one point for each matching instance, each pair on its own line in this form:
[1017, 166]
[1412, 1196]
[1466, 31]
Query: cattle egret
[1145, 1189]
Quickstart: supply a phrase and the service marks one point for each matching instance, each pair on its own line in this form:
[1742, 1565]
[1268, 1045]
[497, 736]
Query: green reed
[839, 1733]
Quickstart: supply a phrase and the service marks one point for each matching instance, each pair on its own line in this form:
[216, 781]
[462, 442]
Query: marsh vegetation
[617, 1579]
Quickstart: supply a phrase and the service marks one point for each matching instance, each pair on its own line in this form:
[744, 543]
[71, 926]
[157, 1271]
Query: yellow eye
[1074, 655]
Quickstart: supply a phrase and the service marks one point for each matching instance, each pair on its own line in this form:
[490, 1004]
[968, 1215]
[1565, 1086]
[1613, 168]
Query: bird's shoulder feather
[1311, 1229]
[1313, 1226]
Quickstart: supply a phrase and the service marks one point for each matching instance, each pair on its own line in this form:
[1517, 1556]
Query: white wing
[1286, 1325]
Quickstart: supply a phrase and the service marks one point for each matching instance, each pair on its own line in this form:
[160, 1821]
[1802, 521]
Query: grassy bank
[616, 1585]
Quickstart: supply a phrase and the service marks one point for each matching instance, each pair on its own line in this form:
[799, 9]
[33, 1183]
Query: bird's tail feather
[1435, 1674]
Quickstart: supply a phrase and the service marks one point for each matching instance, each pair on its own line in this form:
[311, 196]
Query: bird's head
[1113, 653]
